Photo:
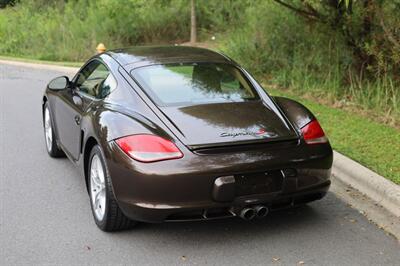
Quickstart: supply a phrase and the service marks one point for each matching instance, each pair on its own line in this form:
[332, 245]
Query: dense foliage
[69, 30]
[339, 49]
[4, 3]
[326, 48]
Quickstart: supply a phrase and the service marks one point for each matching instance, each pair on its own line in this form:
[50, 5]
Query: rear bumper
[185, 189]
[213, 210]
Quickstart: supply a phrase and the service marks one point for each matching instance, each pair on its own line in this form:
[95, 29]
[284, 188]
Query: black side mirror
[59, 83]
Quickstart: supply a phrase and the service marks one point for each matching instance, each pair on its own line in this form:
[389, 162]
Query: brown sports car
[182, 133]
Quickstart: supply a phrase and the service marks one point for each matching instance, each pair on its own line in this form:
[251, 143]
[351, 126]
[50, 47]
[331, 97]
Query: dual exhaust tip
[249, 213]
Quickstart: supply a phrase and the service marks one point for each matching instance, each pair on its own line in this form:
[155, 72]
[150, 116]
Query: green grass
[35, 61]
[372, 144]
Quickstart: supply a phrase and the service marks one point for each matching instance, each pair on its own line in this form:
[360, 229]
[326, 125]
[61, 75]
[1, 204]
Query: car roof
[149, 55]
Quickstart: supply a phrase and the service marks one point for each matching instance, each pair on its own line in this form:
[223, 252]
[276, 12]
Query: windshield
[175, 84]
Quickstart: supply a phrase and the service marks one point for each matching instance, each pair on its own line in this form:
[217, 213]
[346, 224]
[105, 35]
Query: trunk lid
[233, 123]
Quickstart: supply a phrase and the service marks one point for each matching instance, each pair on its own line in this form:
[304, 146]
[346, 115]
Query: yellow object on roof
[100, 48]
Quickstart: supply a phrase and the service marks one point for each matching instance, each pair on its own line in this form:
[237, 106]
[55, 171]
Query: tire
[49, 137]
[106, 212]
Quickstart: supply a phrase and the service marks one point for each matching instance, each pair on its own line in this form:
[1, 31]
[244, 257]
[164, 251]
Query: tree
[4, 3]
[193, 30]
[369, 27]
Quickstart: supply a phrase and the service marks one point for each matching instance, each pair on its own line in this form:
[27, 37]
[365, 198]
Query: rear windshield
[194, 83]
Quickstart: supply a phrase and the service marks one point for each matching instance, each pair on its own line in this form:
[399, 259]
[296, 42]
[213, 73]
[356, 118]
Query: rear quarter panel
[297, 113]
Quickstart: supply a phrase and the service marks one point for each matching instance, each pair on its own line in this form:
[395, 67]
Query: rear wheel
[106, 212]
[50, 138]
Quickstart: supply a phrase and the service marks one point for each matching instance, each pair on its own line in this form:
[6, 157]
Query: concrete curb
[376, 187]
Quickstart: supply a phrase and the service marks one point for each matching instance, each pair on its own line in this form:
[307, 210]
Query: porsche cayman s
[182, 133]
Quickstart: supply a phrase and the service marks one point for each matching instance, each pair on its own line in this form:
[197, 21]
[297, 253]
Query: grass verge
[372, 144]
[36, 61]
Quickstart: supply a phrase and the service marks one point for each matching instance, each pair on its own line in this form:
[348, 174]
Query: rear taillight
[313, 133]
[149, 148]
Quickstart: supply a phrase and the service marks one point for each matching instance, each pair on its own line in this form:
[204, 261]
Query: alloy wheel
[48, 129]
[97, 187]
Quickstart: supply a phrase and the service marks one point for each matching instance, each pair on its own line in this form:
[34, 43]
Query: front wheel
[51, 143]
[106, 212]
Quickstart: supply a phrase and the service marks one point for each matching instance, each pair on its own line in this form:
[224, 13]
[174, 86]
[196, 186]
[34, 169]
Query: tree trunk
[193, 33]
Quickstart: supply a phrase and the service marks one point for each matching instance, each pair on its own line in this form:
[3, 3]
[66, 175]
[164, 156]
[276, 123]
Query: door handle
[78, 120]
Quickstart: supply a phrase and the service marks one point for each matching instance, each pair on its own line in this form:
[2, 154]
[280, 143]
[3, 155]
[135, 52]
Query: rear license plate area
[258, 183]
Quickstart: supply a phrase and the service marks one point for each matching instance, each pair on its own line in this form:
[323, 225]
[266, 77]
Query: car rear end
[230, 152]
[220, 182]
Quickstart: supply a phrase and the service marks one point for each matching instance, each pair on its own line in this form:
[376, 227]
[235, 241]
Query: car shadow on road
[215, 232]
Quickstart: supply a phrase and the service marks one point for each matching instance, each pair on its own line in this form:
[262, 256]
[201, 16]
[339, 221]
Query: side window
[231, 81]
[95, 79]
[107, 87]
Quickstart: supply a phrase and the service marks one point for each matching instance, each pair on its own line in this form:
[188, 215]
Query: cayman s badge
[261, 133]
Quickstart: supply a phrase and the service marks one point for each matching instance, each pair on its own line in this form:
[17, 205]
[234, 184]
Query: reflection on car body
[182, 133]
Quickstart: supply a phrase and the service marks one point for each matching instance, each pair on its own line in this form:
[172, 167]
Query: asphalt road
[46, 218]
